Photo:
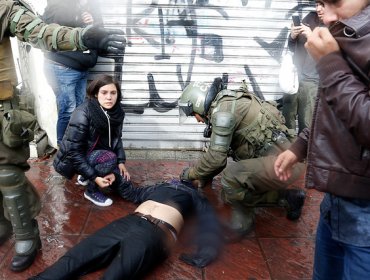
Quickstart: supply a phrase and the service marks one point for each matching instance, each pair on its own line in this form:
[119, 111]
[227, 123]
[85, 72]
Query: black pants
[129, 246]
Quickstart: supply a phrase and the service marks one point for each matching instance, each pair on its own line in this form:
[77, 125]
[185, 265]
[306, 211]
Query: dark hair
[100, 81]
[333, 2]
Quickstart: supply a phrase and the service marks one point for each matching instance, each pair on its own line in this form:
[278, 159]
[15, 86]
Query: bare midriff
[163, 212]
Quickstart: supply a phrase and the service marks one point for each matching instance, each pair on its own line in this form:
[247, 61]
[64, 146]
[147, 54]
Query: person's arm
[347, 95]
[119, 151]
[208, 238]
[76, 136]
[27, 27]
[215, 159]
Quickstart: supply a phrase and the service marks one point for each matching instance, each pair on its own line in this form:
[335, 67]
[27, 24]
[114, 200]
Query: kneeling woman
[93, 139]
[134, 244]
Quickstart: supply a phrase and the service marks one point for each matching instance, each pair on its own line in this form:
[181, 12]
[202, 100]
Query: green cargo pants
[253, 181]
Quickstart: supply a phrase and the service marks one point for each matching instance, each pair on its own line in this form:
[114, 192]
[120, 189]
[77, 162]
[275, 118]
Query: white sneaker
[82, 182]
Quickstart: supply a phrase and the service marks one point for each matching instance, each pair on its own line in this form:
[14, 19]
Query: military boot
[242, 222]
[16, 201]
[292, 200]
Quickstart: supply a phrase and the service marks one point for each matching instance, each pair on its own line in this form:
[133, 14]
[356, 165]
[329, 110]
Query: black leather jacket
[338, 145]
[80, 138]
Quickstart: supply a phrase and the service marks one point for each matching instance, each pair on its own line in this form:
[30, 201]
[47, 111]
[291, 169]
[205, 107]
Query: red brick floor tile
[313, 197]
[5, 249]
[289, 258]
[173, 268]
[62, 218]
[272, 222]
[67, 191]
[242, 260]
[101, 216]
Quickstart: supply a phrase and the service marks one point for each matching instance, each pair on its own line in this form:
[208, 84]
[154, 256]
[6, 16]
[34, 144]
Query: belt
[166, 227]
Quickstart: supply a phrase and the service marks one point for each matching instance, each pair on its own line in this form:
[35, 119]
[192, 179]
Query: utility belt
[168, 229]
[279, 143]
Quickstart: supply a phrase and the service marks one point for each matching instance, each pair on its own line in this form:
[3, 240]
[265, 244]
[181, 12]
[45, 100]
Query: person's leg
[329, 255]
[252, 182]
[63, 81]
[356, 262]
[22, 205]
[141, 251]
[306, 101]
[289, 110]
[93, 253]
[104, 162]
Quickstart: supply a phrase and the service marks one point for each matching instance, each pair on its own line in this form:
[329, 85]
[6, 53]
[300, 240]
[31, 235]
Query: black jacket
[68, 13]
[80, 138]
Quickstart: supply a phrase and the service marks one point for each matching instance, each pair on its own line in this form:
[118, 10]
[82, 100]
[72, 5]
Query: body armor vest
[260, 131]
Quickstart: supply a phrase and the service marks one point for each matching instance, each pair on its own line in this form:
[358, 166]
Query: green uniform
[19, 201]
[253, 133]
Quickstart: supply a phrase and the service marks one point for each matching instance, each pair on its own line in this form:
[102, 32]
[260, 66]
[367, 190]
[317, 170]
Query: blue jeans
[69, 87]
[337, 260]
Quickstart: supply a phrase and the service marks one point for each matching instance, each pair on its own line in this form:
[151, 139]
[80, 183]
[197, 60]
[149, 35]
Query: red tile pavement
[277, 249]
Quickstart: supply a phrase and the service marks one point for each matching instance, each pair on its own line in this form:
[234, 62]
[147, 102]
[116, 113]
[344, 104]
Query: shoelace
[99, 196]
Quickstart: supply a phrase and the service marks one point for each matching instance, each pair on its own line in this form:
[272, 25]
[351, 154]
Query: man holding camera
[252, 132]
[19, 201]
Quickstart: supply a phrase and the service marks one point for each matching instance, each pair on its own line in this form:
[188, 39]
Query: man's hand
[320, 43]
[109, 40]
[301, 29]
[283, 165]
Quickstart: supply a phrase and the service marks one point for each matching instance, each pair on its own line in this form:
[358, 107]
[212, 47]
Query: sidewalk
[277, 249]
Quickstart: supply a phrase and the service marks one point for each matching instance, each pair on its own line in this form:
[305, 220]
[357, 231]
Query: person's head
[320, 10]
[334, 10]
[196, 99]
[106, 90]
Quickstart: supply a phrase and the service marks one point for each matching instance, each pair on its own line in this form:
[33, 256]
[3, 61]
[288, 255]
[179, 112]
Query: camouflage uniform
[252, 132]
[19, 201]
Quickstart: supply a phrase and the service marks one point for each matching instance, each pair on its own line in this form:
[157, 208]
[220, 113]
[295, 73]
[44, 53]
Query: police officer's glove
[96, 37]
[185, 174]
[200, 259]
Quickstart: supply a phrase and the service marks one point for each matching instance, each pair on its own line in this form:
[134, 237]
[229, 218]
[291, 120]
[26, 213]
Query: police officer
[252, 131]
[19, 201]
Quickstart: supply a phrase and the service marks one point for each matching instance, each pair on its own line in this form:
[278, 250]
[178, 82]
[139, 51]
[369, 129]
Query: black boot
[17, 196]
[293, 200]
[22, 262]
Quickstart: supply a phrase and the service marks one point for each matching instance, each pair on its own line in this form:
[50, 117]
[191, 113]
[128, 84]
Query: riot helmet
[197, 98]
